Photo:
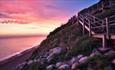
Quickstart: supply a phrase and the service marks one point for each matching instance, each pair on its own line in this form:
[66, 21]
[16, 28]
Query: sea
[14, 45]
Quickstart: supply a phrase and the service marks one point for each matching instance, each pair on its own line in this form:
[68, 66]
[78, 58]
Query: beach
[11, 63]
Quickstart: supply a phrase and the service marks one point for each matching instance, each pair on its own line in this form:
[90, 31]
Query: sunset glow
[25, 29]
[41, 16]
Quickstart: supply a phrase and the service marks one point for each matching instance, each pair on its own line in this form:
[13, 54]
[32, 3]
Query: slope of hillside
[67, 36]
[66, 49]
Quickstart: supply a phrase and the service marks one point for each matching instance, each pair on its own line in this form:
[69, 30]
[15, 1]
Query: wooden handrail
[97, 23]
[100, 27]
[89, 18]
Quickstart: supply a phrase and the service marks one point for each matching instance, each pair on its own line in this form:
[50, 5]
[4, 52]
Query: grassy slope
[106, 13]
[70, 37]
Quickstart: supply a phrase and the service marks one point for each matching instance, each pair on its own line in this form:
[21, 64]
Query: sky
[40, 16]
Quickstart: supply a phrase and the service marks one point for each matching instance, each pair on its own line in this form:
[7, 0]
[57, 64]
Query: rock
[43, 61]
[35, 60]
[73, 60]
[92, 54]
[56, 50]
[59, 64]
[50, 58]
[111, 52]
[79, 56]
[38, 60]
[74, 66]
[50, 67]
[30, 62]
[89, 68]
[108, 68]
[46, 54]
[20, 66]
[64, 67]
[53, 53]
[95, 53]
[113, 64]
[103, 50]
[113, 61]
[83, 59]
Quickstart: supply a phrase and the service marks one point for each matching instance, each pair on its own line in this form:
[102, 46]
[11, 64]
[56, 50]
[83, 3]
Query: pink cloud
[40, 10]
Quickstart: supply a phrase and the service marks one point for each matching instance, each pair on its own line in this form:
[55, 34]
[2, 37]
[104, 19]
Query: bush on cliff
[84, 45]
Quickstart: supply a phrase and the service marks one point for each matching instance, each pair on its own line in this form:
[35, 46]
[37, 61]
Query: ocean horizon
[10, 46]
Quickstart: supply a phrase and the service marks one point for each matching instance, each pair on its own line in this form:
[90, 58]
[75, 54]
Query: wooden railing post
[107, 28]
[83, 27]
[102, 25]
[104, 41]
[89, 28]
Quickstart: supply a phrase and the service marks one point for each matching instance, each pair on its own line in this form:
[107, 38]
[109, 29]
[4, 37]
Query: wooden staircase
[98, 28]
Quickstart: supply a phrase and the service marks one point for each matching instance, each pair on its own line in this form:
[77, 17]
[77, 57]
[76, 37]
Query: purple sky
[52, 10]
[48, 13]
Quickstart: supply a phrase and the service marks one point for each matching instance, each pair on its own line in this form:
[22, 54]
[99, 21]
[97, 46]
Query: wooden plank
[107, 28]
[89, 27]
[83, 28]
[104, 41]
[86, 27]
[112, 36]
[98, 35]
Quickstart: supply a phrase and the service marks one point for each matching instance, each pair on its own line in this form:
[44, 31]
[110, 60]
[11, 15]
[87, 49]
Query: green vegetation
[69, 23]
[84, 45]
[63, 36]
[70, 37]
[106, 13]
[99, 59]
[98, 62]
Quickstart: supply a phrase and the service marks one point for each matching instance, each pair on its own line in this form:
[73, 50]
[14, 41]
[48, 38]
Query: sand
[11, 63]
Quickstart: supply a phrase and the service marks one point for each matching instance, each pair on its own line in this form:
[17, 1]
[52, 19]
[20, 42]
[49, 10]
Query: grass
[84, 45]
[106, 13]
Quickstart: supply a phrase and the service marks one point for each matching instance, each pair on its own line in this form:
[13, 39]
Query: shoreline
[16, 54]
[12, 62]
[10, 56]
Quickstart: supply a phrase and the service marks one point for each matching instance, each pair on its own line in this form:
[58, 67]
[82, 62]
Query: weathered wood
[104, 41]
[89, 28]
[94, 24]
[83, 27]
[107, 28]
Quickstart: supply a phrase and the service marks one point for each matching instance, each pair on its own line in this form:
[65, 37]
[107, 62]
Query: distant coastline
[11, 62]
[14, 45]
[20, 36]
[15, 54]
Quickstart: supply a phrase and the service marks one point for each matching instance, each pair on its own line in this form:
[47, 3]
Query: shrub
[87, 45]
[106, 13]
[98, 62]
[84, 46]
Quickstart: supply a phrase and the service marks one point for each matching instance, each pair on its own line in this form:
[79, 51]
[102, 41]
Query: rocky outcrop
[64, 67]
[71, 64]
